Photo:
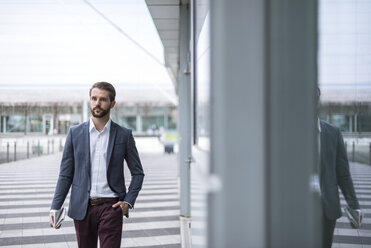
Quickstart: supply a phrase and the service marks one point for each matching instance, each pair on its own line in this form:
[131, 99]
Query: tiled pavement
[345, 235]
[27, 187]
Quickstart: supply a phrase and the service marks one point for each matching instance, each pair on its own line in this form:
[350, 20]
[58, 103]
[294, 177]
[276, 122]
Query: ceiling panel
[162, 2]
[169, 35]
[167, 24]
[165, 14]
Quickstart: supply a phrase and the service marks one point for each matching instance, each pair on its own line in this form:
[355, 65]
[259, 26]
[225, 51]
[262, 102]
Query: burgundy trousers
[101, 221]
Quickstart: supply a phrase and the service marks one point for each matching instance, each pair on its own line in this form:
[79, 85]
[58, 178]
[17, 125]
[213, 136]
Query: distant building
[348, 107]
[40, 110]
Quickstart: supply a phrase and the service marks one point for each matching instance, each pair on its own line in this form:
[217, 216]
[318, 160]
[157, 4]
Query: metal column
[184, 123]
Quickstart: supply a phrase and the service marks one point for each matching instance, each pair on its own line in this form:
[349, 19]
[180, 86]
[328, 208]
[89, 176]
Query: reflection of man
[334, 173]
[92, 163]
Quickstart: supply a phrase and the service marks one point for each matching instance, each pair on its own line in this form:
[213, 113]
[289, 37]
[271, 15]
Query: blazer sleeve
[343, 174]
[136, 171]
[65, 174]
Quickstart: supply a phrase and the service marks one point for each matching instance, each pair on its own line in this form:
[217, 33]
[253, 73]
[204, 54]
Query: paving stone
[27, 188]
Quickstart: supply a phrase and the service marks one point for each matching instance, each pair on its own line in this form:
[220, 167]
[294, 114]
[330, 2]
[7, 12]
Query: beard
[103, 112]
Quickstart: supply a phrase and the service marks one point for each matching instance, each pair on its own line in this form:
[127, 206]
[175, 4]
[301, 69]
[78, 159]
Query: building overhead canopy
[129, 96]
[165, 15]
[346, 94]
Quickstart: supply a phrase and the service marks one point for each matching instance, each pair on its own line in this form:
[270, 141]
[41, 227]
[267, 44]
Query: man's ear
[113, 104]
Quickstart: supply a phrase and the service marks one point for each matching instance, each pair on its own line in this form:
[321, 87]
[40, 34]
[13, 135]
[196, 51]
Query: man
[92, 163]
[334, 172]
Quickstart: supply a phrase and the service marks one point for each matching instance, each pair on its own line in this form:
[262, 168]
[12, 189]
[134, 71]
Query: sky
[67, 43]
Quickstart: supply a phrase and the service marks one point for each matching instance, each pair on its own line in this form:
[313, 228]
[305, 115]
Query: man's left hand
[123, 205]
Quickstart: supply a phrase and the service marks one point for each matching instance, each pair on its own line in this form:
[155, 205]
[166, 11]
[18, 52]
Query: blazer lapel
[111, 142]
[86, 137]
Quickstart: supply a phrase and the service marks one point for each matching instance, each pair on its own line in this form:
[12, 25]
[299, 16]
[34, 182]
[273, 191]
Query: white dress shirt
[98, 157]
[314, 179]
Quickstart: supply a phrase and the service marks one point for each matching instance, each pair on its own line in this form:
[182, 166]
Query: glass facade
[344, 72]
[344, 122]
[128, 122]
[202, 65]
[35, 124]
[171, 122]
[13, 124]
[344, 63]
[51, 120]
[364, 123]
[152, 123]
[63, 127]
[200, 169]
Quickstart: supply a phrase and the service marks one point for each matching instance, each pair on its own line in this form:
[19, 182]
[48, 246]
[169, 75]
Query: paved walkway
[345, 235]
[27, 187]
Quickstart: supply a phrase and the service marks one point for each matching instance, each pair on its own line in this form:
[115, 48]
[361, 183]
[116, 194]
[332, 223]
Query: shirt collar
[106, 127]
[319, 125]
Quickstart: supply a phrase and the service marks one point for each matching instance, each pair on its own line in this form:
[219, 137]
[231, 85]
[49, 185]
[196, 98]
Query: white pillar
[84, 110]
[139, 123]
[184, 112]
[4, 124]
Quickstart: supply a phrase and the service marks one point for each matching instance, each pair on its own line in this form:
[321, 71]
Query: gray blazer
[75, 168]
[334, 172]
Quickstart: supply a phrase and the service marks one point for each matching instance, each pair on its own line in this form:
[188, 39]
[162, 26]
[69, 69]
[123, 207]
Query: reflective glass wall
[200, 172]
[345, 83]
[345, 72]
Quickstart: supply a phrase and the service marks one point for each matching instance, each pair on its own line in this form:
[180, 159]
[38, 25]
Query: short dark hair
[107, 87]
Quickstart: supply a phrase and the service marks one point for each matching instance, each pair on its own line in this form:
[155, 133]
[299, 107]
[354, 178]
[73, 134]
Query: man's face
[100, 104]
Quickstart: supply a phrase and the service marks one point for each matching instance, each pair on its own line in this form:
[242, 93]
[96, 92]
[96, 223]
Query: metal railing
[13, 149]
[358, 150]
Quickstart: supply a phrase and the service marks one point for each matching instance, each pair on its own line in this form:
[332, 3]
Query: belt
[98, 201]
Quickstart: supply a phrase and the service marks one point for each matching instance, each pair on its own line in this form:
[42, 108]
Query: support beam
[184, 123]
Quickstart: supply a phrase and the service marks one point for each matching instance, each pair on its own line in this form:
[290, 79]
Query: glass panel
[344, 122]
[128, 122]
[364, 123]
[171, 122]
[345, 82]
[63, 127]
[201, 128]
[152, 123]
[36, 125]
[344, 72]
[202, 56]
[14, 123]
